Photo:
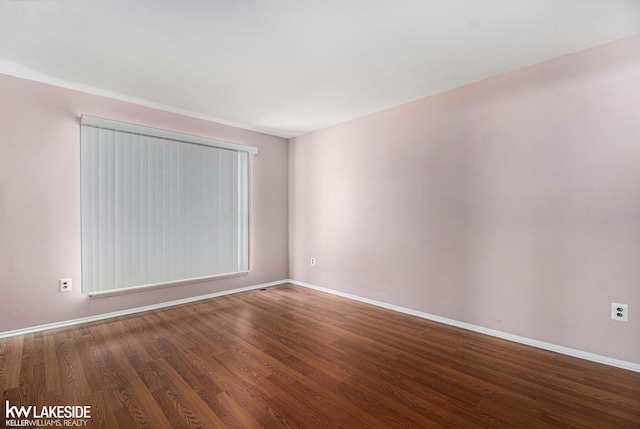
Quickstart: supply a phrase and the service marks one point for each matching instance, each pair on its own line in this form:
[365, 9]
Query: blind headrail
[109, 124]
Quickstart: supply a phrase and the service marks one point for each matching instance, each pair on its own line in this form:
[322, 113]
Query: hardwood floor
[292, 357]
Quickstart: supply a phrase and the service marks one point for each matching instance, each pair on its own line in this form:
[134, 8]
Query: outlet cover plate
[65, 285]
[619, 312]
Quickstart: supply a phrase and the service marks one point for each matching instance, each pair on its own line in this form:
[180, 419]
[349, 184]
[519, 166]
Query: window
[159, 207]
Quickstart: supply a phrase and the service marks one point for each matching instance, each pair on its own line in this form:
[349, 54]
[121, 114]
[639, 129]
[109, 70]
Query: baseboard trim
[129, 311]
[631, 366]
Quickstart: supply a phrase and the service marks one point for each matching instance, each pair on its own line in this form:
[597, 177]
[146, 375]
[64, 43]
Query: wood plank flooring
[289, 357]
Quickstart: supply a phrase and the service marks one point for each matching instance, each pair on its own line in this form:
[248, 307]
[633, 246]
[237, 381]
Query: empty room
[320, 214]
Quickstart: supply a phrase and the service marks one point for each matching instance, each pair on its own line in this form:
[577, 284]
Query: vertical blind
[159, 207]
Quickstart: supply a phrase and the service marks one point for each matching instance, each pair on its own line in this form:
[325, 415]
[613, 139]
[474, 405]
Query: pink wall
[39, 203]
[512, 203]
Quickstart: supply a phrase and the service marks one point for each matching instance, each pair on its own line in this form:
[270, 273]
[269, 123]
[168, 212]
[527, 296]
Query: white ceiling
[288, 67]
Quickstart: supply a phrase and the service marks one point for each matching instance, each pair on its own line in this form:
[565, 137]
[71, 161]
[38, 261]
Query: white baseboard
[631, 366]
[129, 311]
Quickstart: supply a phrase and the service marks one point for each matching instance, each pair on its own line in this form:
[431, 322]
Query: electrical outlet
[619, 312]
[313, 261]
[65, 285]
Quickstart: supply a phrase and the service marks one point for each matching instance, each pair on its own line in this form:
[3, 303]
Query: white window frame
[88, 215]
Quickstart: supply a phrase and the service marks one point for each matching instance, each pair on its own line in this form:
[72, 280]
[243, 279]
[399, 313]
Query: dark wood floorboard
[289, 357]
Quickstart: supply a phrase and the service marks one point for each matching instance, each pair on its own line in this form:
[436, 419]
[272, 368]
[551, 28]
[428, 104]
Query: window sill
[136, 289]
